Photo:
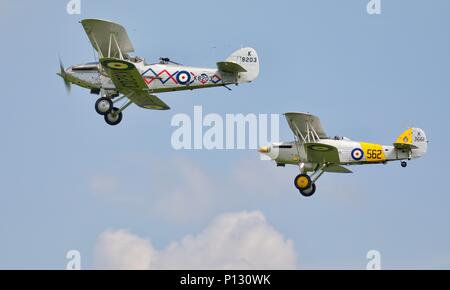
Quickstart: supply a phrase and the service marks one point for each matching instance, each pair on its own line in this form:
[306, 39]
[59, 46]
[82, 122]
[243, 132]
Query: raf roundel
[357, 154]
[117, 65]
[183, 77]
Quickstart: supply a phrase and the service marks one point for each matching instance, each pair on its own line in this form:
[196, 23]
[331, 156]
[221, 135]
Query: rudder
[247, 58]
[414, 139]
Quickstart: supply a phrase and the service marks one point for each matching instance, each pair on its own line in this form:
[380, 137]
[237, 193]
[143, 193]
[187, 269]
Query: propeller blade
[62, 73]
[68, 86]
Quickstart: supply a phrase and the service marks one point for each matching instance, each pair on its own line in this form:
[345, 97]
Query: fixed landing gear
[302, 181]
[404, 164]
[305, 185]
[308, 192]
[103, 106]
[114, 117]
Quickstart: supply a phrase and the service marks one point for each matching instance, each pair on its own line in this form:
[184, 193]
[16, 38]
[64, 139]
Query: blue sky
[67, 177]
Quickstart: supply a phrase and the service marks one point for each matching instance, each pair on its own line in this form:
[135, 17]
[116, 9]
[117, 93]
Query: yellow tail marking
[373, 152]
[405, 138]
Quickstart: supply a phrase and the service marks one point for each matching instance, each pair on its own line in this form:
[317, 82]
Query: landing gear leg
[307, 184]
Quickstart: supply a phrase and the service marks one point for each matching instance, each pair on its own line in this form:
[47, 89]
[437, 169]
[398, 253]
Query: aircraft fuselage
[159, 78]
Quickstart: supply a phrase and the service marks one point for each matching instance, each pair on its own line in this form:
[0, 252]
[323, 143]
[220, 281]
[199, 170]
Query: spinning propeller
[62, 73]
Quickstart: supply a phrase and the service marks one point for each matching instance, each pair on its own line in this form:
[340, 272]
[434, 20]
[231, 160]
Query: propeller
[167, 60]
[62, 73]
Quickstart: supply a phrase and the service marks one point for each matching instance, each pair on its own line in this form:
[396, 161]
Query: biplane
[118, 76]
[314, 151]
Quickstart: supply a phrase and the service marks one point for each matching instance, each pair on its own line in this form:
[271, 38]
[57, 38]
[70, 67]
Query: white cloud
[242, 240]
[122, 250]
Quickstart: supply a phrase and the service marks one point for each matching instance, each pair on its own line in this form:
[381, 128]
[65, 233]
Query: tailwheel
[114, 117]
[302, 181]
[103, 106]
[309, 191]
[404, 164]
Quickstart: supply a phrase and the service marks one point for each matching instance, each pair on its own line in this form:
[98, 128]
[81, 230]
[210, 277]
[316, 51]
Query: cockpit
[340, 138]
[135, 59]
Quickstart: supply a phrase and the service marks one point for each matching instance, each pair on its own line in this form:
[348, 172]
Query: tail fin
[413, 139]
[244, 62]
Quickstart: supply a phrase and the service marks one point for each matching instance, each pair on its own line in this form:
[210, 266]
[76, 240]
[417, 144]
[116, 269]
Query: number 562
[373, 154]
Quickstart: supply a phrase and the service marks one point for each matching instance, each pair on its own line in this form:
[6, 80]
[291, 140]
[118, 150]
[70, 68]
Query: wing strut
[311, 135]
[117, 45]
[96, 44]
[297, 141]
[111, 38]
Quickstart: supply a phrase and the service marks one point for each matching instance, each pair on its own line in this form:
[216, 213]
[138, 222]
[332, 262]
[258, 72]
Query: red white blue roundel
[183, 77]
[357, 154]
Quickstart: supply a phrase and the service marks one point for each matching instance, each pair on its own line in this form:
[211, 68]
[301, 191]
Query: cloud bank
[242, 240]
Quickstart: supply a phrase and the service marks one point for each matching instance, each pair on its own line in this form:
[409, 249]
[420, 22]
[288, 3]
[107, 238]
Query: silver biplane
[313, 151]
[119, 76]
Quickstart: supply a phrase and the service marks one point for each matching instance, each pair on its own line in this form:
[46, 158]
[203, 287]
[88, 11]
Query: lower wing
[129, 82]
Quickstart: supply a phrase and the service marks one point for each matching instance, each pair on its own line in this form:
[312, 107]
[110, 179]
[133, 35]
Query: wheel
[308, 192]
[113, 118]
[103, 106]
[404, 164]
[302, 181]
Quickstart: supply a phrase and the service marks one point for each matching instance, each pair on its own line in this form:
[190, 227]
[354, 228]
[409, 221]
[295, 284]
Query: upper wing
[304, 125]
[129, 82]
[107, 37]
[321, 153]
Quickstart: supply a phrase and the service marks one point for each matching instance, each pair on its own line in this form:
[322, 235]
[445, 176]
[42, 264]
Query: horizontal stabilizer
[404, 146]
[230, 67]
